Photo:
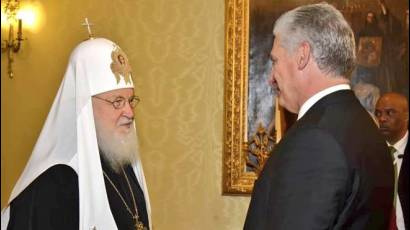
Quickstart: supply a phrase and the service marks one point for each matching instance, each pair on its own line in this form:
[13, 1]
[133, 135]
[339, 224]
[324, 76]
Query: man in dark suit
[332, 169]
[392, 113]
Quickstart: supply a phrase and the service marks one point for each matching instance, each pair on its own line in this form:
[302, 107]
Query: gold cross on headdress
[86, 23]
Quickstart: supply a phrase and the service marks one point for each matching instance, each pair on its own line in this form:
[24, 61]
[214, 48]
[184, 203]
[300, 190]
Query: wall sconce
[12, 44]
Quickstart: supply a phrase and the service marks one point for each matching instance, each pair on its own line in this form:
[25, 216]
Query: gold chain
[138, 223]
[132, 194]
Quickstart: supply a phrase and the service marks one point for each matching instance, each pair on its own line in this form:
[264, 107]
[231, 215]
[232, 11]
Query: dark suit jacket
[403, 186]
[332, 170]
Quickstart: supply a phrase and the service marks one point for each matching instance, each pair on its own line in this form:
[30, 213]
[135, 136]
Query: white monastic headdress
[69, 137]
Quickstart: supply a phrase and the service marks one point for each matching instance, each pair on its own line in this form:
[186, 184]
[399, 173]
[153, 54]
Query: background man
[84, 172]
[392, 113]
[332, 170]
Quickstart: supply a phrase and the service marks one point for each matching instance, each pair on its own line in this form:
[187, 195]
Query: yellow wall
[176, 50]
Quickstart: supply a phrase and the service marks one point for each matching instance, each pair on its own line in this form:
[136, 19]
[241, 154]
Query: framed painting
[251, 129]
[253, 121]
[369, 51]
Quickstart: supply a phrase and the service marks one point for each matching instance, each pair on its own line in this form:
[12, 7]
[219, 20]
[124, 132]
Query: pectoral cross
[86, 23]
[138, 224]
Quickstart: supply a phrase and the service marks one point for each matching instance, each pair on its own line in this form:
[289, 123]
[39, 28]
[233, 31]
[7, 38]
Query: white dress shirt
[400, 146]
[315, 98]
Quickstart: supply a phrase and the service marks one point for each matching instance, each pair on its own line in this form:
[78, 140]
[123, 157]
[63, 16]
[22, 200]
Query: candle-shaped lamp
[20, 30]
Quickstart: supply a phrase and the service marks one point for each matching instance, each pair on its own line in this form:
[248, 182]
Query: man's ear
[303, 55]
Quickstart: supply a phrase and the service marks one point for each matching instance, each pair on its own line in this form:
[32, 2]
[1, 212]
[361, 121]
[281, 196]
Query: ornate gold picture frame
[236, 179]
[246, 149]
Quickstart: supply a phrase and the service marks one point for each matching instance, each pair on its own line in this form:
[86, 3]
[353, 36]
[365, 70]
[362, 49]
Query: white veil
[68, 136]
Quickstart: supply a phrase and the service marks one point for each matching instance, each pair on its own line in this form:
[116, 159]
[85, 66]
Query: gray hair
[329, 35]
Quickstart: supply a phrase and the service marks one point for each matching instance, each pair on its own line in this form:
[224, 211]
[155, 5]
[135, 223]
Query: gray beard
[116, 149]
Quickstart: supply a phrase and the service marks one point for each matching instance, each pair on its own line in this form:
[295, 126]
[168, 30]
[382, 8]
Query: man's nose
[128, 111]
[382, 118]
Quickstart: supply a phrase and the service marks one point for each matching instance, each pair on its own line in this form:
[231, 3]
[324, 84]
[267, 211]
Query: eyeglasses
[119, 102]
